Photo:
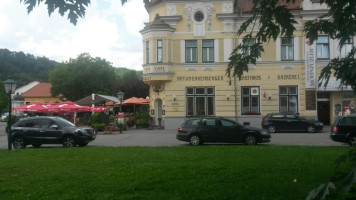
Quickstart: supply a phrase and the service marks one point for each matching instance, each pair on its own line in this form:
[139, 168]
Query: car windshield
[63, 122]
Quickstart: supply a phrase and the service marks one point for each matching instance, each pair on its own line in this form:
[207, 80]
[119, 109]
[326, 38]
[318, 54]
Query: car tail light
[180, 128]
[264, 120]
[335, 129]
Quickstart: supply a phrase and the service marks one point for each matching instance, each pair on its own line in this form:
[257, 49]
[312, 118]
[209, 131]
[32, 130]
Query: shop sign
[154, 69]
[251, 78]
[310, 74]
[279, 77]
[288, 77]
[200, 78]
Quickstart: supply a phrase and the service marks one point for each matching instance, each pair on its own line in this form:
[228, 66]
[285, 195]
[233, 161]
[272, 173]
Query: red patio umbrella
[32, 107]
[68, 108]
[98, 109]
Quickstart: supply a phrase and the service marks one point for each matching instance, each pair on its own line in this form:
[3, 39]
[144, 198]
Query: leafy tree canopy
[132, 86]
[24, 68]
[271, 18]
[81, 77]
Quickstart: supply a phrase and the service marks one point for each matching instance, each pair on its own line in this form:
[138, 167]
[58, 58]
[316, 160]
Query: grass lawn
[203, 172]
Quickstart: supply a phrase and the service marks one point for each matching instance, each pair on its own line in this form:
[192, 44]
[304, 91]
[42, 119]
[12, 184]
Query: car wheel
[68, 142]
[352, 140]
[311, 129]
[83, 144]
[19, 143]
[271, 129]
[250, 140]
[195, 140]
[36, 145]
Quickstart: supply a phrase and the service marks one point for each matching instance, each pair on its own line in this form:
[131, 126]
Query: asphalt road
[154, 138]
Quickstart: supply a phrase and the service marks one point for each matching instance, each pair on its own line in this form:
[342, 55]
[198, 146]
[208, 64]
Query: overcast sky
[109, 31]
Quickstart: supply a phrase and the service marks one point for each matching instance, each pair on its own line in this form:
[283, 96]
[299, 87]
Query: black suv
[49, 130]
[344, 129]
[196, 131]
[274, 122]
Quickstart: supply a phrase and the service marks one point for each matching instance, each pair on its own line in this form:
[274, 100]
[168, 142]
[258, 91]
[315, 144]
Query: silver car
[3, 116]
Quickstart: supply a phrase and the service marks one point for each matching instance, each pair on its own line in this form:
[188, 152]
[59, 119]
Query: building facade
[40, 93]
[187, 45]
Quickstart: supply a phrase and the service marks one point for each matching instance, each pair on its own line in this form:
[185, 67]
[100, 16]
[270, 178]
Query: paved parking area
[153, 138]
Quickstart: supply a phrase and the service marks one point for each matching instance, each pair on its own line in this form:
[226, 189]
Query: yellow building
[187, 45]
[41, 93]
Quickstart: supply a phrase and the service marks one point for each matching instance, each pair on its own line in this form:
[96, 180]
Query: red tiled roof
[247, 5]
[40, 90]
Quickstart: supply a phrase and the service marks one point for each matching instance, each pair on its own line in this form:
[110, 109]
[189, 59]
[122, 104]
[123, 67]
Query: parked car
[49, 130]
[344, 129]
[274, 122]
[197, 131]
[4, 116]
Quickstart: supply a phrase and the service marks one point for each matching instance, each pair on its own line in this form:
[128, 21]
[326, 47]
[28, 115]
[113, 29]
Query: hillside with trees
[24, 68]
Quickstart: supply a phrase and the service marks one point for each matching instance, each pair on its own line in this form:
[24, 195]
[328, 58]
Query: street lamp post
[120, 96]
[10, 86]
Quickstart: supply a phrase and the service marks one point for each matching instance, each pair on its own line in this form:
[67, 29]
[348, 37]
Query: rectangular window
[288, 99]
[247, 46]
[287, 49]
[147, 52]
[191, 51]
[159, 51]
[250, 100]
[208, 50]
[200, 101]
[322, 47]
[346, 47]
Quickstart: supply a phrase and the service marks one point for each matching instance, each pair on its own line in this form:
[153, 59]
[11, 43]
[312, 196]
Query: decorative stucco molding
[171, 9]
[199, 27]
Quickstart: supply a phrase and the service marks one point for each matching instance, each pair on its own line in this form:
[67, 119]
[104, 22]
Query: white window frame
[189, 52]
[320, 55]
[208, 51]
[287, 47]
[159, 51]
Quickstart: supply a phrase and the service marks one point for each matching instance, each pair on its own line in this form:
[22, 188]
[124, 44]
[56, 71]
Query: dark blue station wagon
[197, 131]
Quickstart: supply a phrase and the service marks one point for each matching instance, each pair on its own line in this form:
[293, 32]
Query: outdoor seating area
[101, 118]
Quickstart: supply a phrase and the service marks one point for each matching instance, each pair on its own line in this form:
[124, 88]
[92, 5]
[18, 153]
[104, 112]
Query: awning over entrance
[334, 85]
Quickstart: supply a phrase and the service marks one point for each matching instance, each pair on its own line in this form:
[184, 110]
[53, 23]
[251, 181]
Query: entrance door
[324, 112]
[158, 109]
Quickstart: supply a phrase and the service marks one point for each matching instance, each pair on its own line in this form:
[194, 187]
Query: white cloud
[109, 30]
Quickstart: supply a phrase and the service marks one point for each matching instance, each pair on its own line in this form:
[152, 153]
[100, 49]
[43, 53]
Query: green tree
[24, 68]
[81, 77]
[3, 98]
[132, 87]
[272, 18]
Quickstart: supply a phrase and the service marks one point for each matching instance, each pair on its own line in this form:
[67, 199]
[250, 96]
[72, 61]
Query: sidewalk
[136, 130]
